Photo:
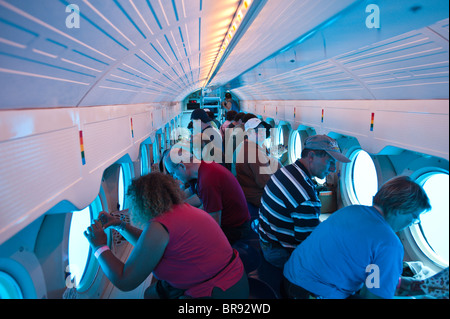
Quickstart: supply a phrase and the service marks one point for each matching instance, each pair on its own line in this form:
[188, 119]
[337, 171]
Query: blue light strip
[129, 18]
[154, 14]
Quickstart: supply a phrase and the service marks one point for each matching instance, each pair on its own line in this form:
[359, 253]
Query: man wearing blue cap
[290, 207]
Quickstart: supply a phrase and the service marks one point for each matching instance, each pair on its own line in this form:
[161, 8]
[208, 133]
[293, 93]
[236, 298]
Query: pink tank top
[198, 255]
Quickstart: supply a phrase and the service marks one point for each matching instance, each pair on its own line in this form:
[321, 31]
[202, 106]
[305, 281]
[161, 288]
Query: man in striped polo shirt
[290, 207]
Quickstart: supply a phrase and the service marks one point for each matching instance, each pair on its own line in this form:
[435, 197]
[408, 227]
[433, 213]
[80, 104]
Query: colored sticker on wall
[322, 115]
[371, 122]
[132, 131]
[294, 112]
[83, 159]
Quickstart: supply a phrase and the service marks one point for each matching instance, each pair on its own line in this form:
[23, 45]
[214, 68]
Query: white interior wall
[415, 125]
[41, 154]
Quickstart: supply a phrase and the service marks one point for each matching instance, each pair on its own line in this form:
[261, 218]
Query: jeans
[293, 291]
[275, 255]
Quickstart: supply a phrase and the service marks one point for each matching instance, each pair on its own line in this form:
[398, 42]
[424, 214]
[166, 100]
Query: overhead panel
[278, 24]
[405, 59]
[96, 52]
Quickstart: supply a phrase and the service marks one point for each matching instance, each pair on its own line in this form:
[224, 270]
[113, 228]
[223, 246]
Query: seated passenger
[190, 197]
[182, 245]
[290, 207]
[217, 188]
[356, 247]
[253, 167]
[201, 117]
[234, 135]
[206, 133]
[213, 118]
[248, 116]
[237, 121]
[229, 119]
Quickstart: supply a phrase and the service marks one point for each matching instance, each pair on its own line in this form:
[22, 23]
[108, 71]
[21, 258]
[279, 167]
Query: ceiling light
[244, 13]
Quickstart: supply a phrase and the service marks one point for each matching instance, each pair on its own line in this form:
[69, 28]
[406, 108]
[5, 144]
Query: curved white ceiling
[124, 51]
[139, 51]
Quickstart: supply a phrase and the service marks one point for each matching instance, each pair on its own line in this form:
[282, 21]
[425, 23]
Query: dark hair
[231, 114]
[152, 195]
[403, 195]
[200, 114]
[265, 125]
[247, 117]
[228, 95]
[239, 116]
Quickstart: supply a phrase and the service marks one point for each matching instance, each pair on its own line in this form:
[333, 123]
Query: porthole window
[432, 233]
[157, 147]
[281, 142]
[125, 177]
[280, 135]
[79, 248]
[121, 187]
[166, 143]
[361, 178]
[9, 288]
[78, 245]
[145, 167]
[269, 121]
[295, 147]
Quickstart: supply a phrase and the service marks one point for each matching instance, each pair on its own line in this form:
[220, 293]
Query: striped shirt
[290, 207]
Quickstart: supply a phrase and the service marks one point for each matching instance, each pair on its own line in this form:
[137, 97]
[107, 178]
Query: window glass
[267, 144]
[82, 269]
[363, 178]
[280, 136]
[79, 247]
[434, 224]
[144, 160]
[280, 144]
[125, 176]
[121, 188]
[296, 147]
[9, 288]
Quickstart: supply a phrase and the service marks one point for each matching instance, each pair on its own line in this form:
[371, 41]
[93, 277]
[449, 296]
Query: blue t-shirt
[352, 246]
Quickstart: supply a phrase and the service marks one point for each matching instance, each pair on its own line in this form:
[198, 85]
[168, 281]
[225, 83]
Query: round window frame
[11, 286]
[92, 266]
[127, 176]
[144, 160]
[415, 231]
[347, 184]
[292, 148]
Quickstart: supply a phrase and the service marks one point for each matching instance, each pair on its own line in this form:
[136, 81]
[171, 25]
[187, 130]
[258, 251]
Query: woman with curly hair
[182, 245]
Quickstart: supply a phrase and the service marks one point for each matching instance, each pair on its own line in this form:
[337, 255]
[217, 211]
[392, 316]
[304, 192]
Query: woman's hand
[108, 220]
[96, 235]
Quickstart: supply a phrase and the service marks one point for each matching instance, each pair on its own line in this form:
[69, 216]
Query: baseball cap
[252, 123]
[200, 114]
[327, 144]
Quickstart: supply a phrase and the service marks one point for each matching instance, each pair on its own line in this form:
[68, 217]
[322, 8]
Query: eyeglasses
[416, 219]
